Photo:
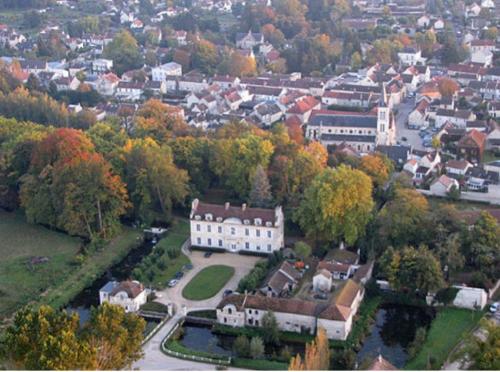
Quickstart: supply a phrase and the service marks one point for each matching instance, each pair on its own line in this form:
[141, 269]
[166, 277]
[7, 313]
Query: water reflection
[394, 328]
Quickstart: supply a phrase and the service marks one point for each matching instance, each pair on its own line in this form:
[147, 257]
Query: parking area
[404, 135]
[241, 264]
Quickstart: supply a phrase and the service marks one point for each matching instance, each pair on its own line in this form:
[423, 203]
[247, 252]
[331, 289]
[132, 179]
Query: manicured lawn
[446, 331]
[208, 282]
[56, 281]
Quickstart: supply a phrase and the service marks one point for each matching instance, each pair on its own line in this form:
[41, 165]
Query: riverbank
[94, 266]
[445, 333]
[43, 266]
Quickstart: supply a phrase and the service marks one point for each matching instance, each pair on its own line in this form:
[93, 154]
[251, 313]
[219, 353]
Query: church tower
[384, 120]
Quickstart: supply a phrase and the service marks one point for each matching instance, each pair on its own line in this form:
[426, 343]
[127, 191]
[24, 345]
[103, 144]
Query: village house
[410, 56]
[101, 65]
[471, 146]
[160, 73]
[293, 315]
[282, 282]
[457, 168]
[66, 83]
[130, 295]
[249, 40]
[235, 229]
[442, 185]
[130, 91]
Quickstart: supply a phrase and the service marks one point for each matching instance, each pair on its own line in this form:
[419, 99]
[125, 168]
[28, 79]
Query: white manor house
[237, 229]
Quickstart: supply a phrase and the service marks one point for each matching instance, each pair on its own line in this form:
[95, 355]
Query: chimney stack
[226, 205]
[244, 207]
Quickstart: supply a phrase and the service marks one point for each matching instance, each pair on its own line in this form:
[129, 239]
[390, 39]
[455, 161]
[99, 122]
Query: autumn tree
[193, 154]
[158, 120]
[447, 87]
[45, 339]
[337, 205]
[205, 56]
[260, 194]
[124, 51]
[402, 220]
[153, 181]
[71, 187]
[413, 269]
[483, 352]
[114, 337]
[48, 339]
[241, 65]
[235, 161]
[316, 357]
[378, 167]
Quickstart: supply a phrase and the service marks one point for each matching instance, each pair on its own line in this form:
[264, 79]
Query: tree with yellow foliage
[316, 357]
[378, 167]
[337, 205]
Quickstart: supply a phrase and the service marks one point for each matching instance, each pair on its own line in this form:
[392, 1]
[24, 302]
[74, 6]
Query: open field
[21, 282]
[445, 333]
[58, 280]
[208, 282]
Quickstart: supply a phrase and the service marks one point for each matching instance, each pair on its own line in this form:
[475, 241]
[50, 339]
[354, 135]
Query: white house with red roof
[237, 229]
[303, 108]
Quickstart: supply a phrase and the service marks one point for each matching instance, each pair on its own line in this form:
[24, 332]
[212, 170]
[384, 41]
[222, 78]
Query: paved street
[411, 135]
[154, 359]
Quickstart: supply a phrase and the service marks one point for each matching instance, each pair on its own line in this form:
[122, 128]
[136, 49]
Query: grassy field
[56, 281]
[152, 271]
[446, 331]
[19, 242]
[208, 282]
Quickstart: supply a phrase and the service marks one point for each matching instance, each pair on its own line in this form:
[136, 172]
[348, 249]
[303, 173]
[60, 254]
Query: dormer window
[197, 217]
[208, 217]
[269, 224]
[258, 221]
[219, 219]
[246, 222]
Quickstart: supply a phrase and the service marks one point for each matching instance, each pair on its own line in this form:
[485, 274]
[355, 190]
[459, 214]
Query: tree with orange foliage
[241, 65]
[71, 187]
[448, 87]
[159, 120]
[378, 167]
[316, 357]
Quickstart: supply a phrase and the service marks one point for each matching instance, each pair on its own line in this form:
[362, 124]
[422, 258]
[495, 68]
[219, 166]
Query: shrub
[446, 295]
[417, 342]
[162, 263]
[256, 347]
[241, 346]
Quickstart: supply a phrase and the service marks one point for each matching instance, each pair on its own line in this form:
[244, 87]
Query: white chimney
[226, 205]
[244, 207]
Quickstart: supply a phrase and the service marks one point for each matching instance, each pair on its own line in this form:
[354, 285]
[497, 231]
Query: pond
[201, 338]
[394, 329]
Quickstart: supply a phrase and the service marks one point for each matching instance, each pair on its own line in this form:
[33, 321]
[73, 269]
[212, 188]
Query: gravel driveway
[242, 266]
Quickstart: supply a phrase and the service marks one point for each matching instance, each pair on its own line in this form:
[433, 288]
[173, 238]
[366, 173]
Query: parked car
[227, 292]
[178, 275]
[187, 267]
[494, 307]
[173, 283]
[320, 296]
[404, 139]
[207, 254]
